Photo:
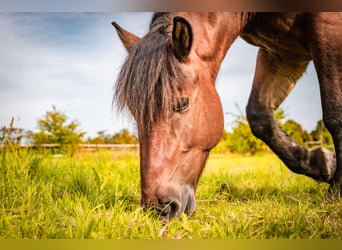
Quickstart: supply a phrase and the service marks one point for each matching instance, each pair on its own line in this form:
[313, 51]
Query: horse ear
[128, 39]
[181, 38]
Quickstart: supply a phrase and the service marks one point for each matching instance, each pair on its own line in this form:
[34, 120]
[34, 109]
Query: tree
[242, 140]
[292, 128]
[322, 134]
[296, 132]
[223, 145]
[101, 138]
[55, 129]
[124, 137]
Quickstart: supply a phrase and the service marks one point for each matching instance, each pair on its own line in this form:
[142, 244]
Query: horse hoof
[325, 160]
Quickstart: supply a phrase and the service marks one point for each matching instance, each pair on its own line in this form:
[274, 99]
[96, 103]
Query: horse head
[170, 91]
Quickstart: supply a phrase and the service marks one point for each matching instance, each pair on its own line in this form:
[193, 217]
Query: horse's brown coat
[174, 145]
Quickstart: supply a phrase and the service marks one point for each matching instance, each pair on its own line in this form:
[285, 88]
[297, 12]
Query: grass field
[96, 195]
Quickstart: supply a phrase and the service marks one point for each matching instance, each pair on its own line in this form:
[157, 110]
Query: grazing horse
[168, 84]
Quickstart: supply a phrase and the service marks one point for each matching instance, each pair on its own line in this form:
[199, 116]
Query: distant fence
[121, 147]
[93, 147]
[319, 143]
[313, 143]
[86, 147]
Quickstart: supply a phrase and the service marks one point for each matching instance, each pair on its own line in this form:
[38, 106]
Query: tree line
[55, 128]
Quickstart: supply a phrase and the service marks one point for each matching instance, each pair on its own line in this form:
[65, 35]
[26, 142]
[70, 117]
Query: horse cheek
[212, 123]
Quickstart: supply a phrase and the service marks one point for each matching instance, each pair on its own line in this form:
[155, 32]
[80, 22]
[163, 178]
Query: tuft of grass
[96, 195]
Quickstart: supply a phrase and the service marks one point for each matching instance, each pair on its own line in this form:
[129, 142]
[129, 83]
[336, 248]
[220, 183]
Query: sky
[71, 60]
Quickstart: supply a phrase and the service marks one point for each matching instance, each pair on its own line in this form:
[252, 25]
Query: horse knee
[260, 122]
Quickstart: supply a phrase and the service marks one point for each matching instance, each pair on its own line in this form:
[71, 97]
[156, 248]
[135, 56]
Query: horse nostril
[168, 210]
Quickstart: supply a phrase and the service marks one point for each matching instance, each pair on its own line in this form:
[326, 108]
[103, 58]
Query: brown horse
[168, 84]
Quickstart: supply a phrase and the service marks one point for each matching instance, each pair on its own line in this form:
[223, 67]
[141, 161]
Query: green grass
[96, 195]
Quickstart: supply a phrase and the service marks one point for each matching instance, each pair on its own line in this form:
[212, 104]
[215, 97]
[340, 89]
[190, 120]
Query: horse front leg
[273, 81]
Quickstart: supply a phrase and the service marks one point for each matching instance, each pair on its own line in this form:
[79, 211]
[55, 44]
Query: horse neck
[213, 34]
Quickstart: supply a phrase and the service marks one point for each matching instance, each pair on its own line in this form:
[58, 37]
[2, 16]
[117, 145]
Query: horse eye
[181, 105]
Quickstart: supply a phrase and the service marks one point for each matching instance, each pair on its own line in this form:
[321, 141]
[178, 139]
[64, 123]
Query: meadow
[96, 195]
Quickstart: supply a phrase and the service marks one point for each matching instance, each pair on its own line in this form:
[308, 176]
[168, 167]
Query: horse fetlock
[324, 162]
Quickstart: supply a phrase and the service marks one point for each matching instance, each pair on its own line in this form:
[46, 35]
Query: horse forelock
[147, 82]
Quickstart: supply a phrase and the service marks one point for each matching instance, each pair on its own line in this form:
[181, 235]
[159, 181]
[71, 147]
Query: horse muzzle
[171, 202]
